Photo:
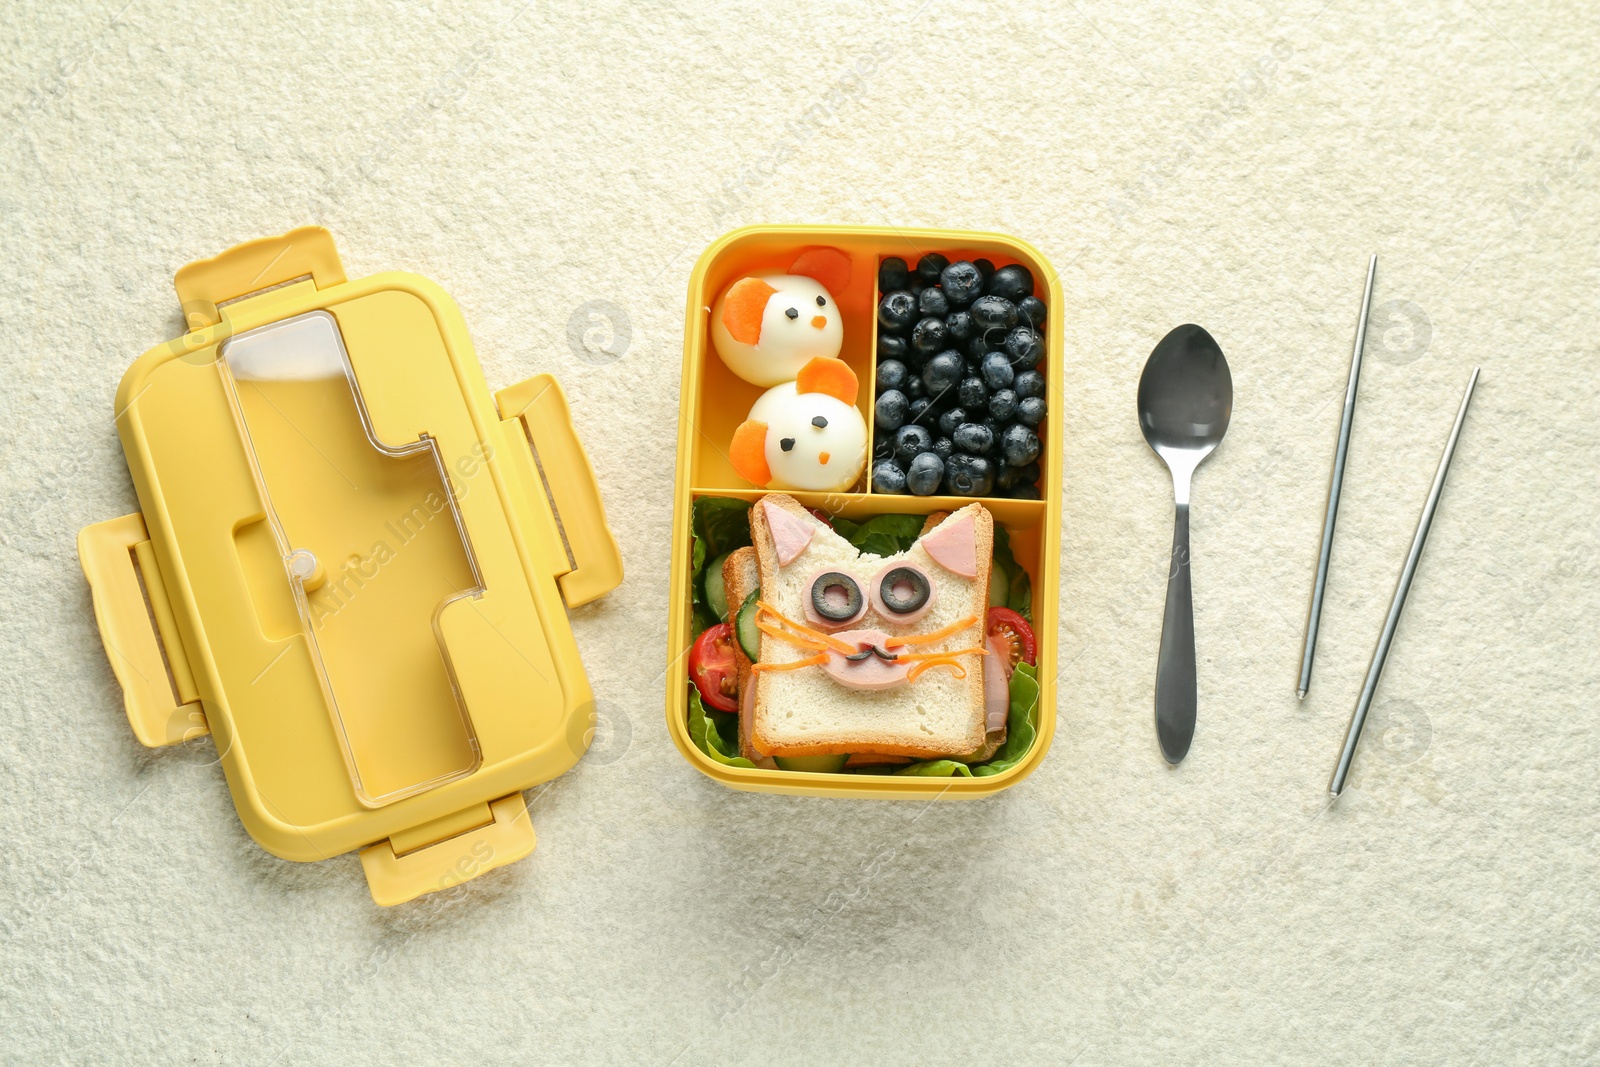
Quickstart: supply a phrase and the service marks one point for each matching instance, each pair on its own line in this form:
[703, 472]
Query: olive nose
[819, 321]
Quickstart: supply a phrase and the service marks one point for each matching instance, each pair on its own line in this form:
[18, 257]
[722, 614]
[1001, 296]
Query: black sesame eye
[822, 302]
[793, 313]
[820, 423]
[904, 590]
[835, 596]
[787, 444]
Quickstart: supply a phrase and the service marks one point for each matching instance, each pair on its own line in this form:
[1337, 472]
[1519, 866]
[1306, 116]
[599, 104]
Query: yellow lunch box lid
[351, 565]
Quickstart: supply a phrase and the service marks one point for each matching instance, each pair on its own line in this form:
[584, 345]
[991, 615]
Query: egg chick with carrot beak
[767, 326]
[805, 434]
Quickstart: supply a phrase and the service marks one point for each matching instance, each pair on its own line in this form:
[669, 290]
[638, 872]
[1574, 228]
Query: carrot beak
[819, 321]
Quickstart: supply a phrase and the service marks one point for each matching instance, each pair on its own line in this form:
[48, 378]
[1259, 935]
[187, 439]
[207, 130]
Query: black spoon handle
[1176, 698]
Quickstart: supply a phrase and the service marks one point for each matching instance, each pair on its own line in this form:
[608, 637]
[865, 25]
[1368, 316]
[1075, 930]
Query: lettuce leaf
[881, 535]
[1022, 727]
[709, 737]
[719, 524]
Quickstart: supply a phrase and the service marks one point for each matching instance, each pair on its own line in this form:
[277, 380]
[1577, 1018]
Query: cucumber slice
[716, 593]
[814, 764]
[744, 627]
[999, 585]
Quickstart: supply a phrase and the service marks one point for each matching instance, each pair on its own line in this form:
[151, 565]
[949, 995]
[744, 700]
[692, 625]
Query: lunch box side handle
[140, 633]
[541, 407]
[250, 267]
[395, 878]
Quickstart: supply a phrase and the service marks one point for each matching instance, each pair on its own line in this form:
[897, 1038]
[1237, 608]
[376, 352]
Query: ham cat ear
[954, 546]
[829, 266]
[790, 534]
[748, 452]
[743, 308]
[831, 376]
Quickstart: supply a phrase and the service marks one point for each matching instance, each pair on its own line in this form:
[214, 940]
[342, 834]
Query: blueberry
[1025, 347]
[914, 389]
[1031, 310]
[882, 448]
[887, 477]
[973, 437]
[973, 393]
[919, 407]
[993, 313]
[925, 473]
[930, 336]
[1028, 383]
[1019, 444]
[891, 375]
[1005, 475]
[916, 287]
[969, 475]
[995, 428]
[1013, 282]
[962, 283]
[1024, 492]
[985, 268]
[930, 266]
[891, 346]
[892, 275]
[942, 372]
[1030, 473]
[950, 420]
[934, 302]
[959, 323]
[1030, 412]
[897, 311]
[944, 447]
[909, 440]
[997, 372]
[978, 347]
[890, 412]
[1003, 404]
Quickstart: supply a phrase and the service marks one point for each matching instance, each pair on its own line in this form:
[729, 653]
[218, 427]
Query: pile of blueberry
[960, 393]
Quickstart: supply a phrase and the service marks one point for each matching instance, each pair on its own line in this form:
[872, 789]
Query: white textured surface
[533, 159]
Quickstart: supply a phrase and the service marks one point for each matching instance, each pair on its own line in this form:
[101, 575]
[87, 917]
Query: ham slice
[996, 686]
[790, 533]
[954, 546]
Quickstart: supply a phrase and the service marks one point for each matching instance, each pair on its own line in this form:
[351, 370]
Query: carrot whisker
[935, 635]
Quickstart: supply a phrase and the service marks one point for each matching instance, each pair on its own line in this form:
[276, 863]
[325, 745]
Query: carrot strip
[810, 661]
[928, 638]
[918, 669]
[815, 635]
[915, 656]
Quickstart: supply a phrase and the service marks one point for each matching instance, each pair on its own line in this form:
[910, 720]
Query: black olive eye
[822, 302]
[904, 590]
[820, 422]
[793, 313]
[835, 596]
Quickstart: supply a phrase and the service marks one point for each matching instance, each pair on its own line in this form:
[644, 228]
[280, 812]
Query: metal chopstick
[1336, 483]
[1381, 653]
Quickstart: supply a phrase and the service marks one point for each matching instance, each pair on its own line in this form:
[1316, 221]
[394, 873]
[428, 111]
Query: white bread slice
[804, 712]
[741, 574]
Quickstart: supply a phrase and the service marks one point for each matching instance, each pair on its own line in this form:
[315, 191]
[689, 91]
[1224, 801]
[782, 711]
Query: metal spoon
[1185, 401]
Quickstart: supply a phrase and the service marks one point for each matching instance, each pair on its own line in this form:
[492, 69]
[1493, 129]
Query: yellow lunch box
[714, 402]
[351, 566]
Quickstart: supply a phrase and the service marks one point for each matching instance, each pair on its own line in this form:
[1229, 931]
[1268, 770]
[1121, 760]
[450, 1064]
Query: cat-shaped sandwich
[881, 657]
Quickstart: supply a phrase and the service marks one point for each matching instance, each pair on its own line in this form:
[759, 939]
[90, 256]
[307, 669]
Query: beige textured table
[557, 168]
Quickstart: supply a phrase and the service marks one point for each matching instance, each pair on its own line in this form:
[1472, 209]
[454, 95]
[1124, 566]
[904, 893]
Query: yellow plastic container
[351, 566]
[714, 401]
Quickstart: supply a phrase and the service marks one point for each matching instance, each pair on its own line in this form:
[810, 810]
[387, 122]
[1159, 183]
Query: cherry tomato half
[1014, 634]
[823, 516]
[712, 668]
